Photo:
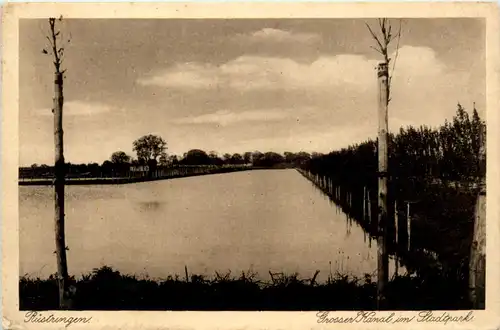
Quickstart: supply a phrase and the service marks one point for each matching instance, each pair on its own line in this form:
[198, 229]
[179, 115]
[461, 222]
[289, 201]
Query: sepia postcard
[250, 166]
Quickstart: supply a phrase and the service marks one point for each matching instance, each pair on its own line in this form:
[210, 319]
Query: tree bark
[477, 263]
[477, 275]
[382, 257]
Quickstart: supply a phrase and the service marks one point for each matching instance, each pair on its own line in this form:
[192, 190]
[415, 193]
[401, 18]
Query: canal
[262, 220]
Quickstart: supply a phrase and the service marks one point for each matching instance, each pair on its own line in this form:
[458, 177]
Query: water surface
[265, 220]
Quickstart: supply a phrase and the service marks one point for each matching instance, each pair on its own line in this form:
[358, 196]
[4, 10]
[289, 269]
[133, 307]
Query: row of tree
[151, 150]
[448, 153]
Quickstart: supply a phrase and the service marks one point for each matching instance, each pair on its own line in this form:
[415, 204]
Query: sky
[241, 84]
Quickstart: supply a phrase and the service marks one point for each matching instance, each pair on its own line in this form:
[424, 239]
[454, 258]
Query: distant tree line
[151, 151]
[255, 158]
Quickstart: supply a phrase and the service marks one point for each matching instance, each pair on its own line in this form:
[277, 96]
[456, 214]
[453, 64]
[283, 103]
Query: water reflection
[395, 263]
[151, 205]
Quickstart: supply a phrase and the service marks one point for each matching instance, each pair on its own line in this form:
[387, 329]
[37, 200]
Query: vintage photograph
[258, 164]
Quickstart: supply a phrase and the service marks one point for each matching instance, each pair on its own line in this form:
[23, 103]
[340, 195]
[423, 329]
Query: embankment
[125, 180]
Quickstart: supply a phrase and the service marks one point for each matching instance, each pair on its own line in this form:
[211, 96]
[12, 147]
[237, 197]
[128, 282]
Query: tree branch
[377, 50]
[374, 37]
[53, 42]
[50, 41]
[397, 52]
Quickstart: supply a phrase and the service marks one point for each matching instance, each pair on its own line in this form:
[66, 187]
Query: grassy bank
[107, 289]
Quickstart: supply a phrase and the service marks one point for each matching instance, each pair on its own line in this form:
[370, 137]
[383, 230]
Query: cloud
[423, 89]
[270, 35]
[225, 117]
[267, 73]
[186, 75]
[79, 108]
[275, 73]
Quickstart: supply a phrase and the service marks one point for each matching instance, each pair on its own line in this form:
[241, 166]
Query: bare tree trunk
[62, 267]
[384, 80]
[59, 173]
[383, 259]
[477, 263]
[477, 270]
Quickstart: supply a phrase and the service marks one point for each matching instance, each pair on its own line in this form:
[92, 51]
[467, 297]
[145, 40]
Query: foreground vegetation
[107, 289]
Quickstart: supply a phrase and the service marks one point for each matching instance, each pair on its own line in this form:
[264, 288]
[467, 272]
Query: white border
[487, 319]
